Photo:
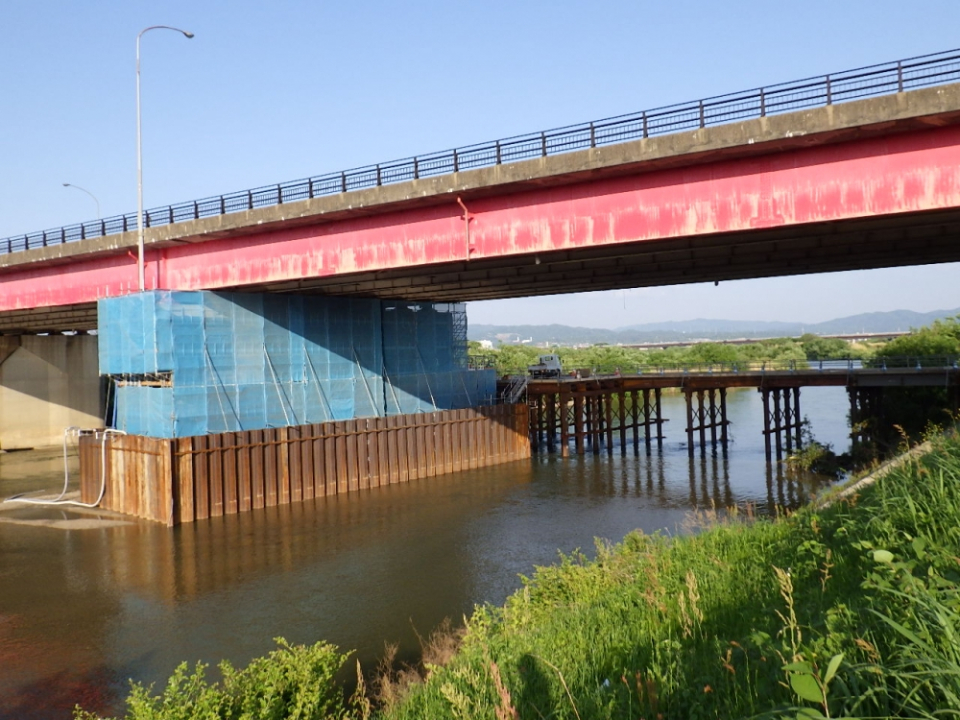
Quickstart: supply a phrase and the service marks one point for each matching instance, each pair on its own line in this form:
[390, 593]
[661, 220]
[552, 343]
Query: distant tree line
[514, 359]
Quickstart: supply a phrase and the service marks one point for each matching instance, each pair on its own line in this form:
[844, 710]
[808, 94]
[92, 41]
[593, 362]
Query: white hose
[66, 472]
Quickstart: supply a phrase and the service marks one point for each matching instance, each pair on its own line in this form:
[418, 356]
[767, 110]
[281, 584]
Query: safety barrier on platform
[191, 363]
[833, 89]
[181, 480]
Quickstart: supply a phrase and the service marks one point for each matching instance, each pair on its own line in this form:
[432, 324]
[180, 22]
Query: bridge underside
[882, 242]
[917, 239]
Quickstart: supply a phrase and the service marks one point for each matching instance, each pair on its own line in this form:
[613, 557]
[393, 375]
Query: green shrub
[293, 682]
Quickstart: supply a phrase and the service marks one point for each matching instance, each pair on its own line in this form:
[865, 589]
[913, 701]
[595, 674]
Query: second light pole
[187, 35]
[77, 187]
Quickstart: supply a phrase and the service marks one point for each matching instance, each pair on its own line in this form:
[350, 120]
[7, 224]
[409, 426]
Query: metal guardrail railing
[878, 364]
[882, 364]
[883, 79]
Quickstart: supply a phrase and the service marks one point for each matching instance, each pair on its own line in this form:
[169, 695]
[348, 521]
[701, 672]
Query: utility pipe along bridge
[849, 171]
[594, 411]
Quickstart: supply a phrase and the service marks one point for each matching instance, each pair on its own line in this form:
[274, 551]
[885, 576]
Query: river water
[86, 605]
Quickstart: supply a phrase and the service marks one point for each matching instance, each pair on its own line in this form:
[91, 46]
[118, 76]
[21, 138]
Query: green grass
[851, 610]
[848, 611]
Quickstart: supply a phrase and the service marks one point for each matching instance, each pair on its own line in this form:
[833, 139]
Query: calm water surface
[85, 607]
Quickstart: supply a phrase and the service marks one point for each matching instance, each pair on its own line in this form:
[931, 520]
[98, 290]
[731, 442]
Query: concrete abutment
[47, 383]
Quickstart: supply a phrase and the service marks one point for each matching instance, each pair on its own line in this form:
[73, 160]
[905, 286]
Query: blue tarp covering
[192, 363]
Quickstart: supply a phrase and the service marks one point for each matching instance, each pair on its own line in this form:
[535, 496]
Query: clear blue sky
[274, 91]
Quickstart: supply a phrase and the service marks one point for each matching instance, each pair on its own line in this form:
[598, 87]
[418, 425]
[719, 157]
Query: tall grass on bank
[848, 611]
[851, 610]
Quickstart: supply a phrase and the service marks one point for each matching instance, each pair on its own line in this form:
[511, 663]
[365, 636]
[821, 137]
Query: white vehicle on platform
[547, 366]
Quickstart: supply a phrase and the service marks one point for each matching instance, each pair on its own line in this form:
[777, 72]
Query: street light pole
[88, 193]
[187, 35]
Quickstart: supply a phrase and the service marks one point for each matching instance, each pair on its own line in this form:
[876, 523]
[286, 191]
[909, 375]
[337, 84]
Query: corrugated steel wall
[181, 480]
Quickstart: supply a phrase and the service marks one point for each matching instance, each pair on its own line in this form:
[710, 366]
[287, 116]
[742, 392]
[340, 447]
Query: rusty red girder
[849, 204]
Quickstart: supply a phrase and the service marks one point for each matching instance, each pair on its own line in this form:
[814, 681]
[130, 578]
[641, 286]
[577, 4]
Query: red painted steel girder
[863, 203]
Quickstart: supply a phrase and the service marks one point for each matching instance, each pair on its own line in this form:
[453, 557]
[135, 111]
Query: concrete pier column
[48, 383]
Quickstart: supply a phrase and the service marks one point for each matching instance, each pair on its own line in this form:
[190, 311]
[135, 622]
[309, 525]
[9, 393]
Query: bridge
[849, 171]
[593, 410]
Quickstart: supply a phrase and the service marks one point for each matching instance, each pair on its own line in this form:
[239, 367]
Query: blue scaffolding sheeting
[193, 363]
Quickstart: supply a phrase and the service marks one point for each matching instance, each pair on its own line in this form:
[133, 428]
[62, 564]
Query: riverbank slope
[852, 609]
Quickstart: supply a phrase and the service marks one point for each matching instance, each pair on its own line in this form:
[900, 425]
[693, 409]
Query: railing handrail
[816, 91]
[835, 364]
[832, 364]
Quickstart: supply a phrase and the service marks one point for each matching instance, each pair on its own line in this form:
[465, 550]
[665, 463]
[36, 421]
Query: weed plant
[292, 682]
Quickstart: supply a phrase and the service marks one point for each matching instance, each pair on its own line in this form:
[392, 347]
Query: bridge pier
[709, 413]
[866, 410]
[781, 420]
[592, 414]
[211, 372]
[47, 383]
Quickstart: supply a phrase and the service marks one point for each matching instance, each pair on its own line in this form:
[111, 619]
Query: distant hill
[876, 322]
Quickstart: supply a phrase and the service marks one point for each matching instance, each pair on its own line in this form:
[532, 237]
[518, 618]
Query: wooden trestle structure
[574, 414]
[587, 412]
[181, 480]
